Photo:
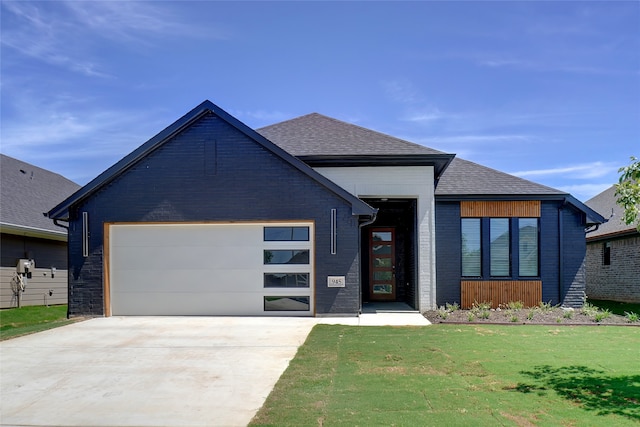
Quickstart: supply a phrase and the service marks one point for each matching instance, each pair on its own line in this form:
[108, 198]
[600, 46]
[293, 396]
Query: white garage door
[211, 269]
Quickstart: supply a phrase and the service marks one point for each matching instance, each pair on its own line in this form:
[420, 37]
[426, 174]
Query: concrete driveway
[146, 371]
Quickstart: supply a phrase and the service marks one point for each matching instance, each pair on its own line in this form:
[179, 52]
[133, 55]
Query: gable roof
[605, 204]
[324, 141]
[28, 191]
[61, 211]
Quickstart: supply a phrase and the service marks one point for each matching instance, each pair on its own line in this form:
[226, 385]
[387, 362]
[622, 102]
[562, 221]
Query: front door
[382, 264]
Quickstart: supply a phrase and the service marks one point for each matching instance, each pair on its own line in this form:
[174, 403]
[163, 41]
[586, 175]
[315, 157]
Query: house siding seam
[172, 184]
[620, 280]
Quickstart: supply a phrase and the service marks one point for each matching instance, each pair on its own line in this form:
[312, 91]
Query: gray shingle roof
[318, 135]
[315, 134]
[27, 191]
[463, 177]
[605, 204]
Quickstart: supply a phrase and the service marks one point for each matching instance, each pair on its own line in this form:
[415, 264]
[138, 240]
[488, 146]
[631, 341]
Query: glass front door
[382, 266]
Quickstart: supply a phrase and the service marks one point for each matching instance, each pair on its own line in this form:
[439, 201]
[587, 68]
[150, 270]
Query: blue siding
[213, 172]
[569, 291]
[448, 257]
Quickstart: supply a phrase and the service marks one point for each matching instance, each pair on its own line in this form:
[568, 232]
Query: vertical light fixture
[334, 234]
[85, 234]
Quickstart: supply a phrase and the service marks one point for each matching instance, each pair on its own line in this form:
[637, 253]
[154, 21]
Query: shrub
[545, 306]
[589, 309]
[514, 318]
[515, 305]
[485, 314]
[601, 315]
[471, 317]
[632, 317]
[452, 307]
[443, 312]
[531, 314]
[568, 314]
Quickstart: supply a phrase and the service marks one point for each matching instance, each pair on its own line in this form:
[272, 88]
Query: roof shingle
[605, 204]
[28, 191]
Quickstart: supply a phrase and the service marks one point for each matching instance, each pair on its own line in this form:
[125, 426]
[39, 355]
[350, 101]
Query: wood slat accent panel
[500, 209]
[501, 292]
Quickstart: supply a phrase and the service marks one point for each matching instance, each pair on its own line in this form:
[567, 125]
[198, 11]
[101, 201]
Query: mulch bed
[529, 316]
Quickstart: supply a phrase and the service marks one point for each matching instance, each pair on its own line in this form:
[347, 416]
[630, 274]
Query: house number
[336, 281]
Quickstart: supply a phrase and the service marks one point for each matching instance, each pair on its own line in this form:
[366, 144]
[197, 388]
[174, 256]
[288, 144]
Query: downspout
[360, 227]
[561, 252]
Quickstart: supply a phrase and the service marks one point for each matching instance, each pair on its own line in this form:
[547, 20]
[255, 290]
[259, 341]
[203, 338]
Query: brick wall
[619, 281]
[242, 182]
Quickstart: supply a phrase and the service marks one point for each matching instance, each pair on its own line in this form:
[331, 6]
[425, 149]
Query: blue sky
[549, 91]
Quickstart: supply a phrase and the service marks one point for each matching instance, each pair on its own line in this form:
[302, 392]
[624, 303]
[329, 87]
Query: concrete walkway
[154, 371]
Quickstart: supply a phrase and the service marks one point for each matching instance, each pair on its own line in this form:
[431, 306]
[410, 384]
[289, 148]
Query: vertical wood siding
[501, 292]
[500, 209]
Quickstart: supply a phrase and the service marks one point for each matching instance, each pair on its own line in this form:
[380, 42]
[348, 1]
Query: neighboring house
[613, 254]
[312, 216]
[27, 193]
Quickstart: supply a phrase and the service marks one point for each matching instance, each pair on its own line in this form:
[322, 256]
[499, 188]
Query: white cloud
[65, 34]
[582, 171]
[402, 91]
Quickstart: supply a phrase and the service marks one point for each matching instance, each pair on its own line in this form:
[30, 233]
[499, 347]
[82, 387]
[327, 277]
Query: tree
[628, 192]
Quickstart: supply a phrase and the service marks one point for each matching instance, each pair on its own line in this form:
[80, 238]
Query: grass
[27, 320]
[458, 375]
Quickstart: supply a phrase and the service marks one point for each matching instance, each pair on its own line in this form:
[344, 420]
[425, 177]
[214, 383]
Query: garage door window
[286, 234]
[286, 303]
[279, 256]
[286, 280]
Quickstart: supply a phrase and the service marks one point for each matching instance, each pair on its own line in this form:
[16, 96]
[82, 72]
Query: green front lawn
[26, 320]
[460, 375]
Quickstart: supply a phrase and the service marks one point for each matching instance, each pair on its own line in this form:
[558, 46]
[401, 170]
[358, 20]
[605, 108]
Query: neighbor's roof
[28, 191]
[61, 211]
[605, 204]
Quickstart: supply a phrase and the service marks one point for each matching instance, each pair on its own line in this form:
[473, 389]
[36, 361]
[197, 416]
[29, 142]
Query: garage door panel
[187, 280]
[198, 269]
[136, 258]
[186, 235]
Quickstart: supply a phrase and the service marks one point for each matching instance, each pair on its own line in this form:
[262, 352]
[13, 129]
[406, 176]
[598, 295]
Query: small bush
[531, 314]
[568, 314]
[471, 317]
[443, 312]
[514, 318]
[485, 314]
[515, 305]
[452, 307]
[558, 319]
[589, 310]
[631, 317]
[601, 315]
[545, 306]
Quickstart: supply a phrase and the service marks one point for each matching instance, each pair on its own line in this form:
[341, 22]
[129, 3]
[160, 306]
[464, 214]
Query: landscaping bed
[544, 314]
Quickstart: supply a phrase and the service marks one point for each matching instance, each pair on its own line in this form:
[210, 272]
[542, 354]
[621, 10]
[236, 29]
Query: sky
[548, 91]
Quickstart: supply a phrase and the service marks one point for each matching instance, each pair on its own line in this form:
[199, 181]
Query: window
[286, 234]
[286, 256]
[286, 280]
[499, 249]
[471, 259]
[528, 247]
[286, 303]
[606, 255]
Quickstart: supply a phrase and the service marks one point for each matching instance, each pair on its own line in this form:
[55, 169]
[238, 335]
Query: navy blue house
[312, 217]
